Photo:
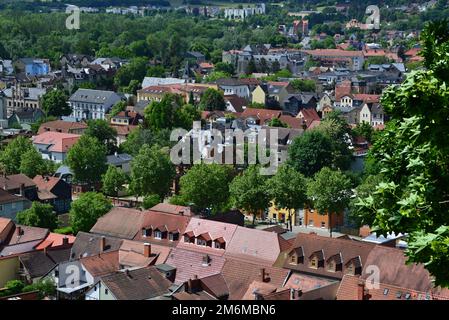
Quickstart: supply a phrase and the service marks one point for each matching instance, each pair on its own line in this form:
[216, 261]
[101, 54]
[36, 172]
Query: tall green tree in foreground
[113, 181]
[152, 172]
[212, 100]
[87, 160]
[206, 185]
[413, 153]
[54, 103]
[11, 156]
[39, 215]
[288, 189]
[86, 210]
[249, 191]
[101, 130]
[329, 192]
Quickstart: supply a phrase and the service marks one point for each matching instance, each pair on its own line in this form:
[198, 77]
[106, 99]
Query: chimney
[45, 250]
[127, 273]
[65, 241]
[19, 231]
[189, 286]
[262, 274]
[292, 294]
[102, 243]
[146, 250]
[361, 290]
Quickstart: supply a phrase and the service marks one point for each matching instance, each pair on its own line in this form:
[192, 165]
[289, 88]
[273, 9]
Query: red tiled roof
[120, 222]
[158, 219]
[45, 183]
[61, 126]
[60, 142]
[349, 290]
[26, 234]
[239, 275]
[102, 264]
[254, 245]
[55, 240]
[206, 65]
[190, 263]
[14, 181]
[262, 114]
[309, 115]
[124, 130]
[291, 121]
[172, 209]
[131, 254]
[367, 97]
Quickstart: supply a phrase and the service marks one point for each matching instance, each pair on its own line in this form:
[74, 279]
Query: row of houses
[167, 253]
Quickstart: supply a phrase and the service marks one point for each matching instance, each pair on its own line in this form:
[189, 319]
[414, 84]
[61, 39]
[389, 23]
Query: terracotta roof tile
[132, 254]
[254, 245]
[61, 126]
[102, 264]
[120, 222]
[239, 275]
[55, 240]
[59, 142]
[190, 263]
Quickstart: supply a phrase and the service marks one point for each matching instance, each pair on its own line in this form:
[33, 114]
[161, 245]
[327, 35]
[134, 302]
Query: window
[157, 234]
[274, 216]
[331, 266]
[314, 263]
[294, 259]
[1, 207]
[173, 236]
[106, 291]
[323, 224]
[201, 242]
[311, 222]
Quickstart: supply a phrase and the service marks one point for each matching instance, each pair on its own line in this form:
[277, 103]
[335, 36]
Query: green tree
[363, 190]
[251, 67]
[206, 186]
[212, 100]
[329, 192]
[118, 107]
[364, 130]
[86, 210]
[32, 164]
[156, 71]
[104, 133]
[54, 103]
[186, 115]
[275, 122]
[414, 158]
[310, 152]
[150, 201]
[140, 136]
[11, 156]
[304, 85]
[224, 67]
[151, 172]
[161, 114]
[135, 70]
[87, 160]
[39, 215]
[113, 181]
[288, 189]
[249, 191]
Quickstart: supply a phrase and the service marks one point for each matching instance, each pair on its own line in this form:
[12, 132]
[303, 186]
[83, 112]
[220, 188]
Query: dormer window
[146, 232]
[219, 243]
[157, 234]
[189, 237]
[173, 236]
[313, 263]
[204, 239]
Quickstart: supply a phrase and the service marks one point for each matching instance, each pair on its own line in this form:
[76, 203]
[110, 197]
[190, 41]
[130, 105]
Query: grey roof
[196, 54]
[92, 96]
[19, 248]
[88, 244]
[33, 93]
[38, 263]
[117, 159]
[63, 170]
[229, 82]
[165, 267]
